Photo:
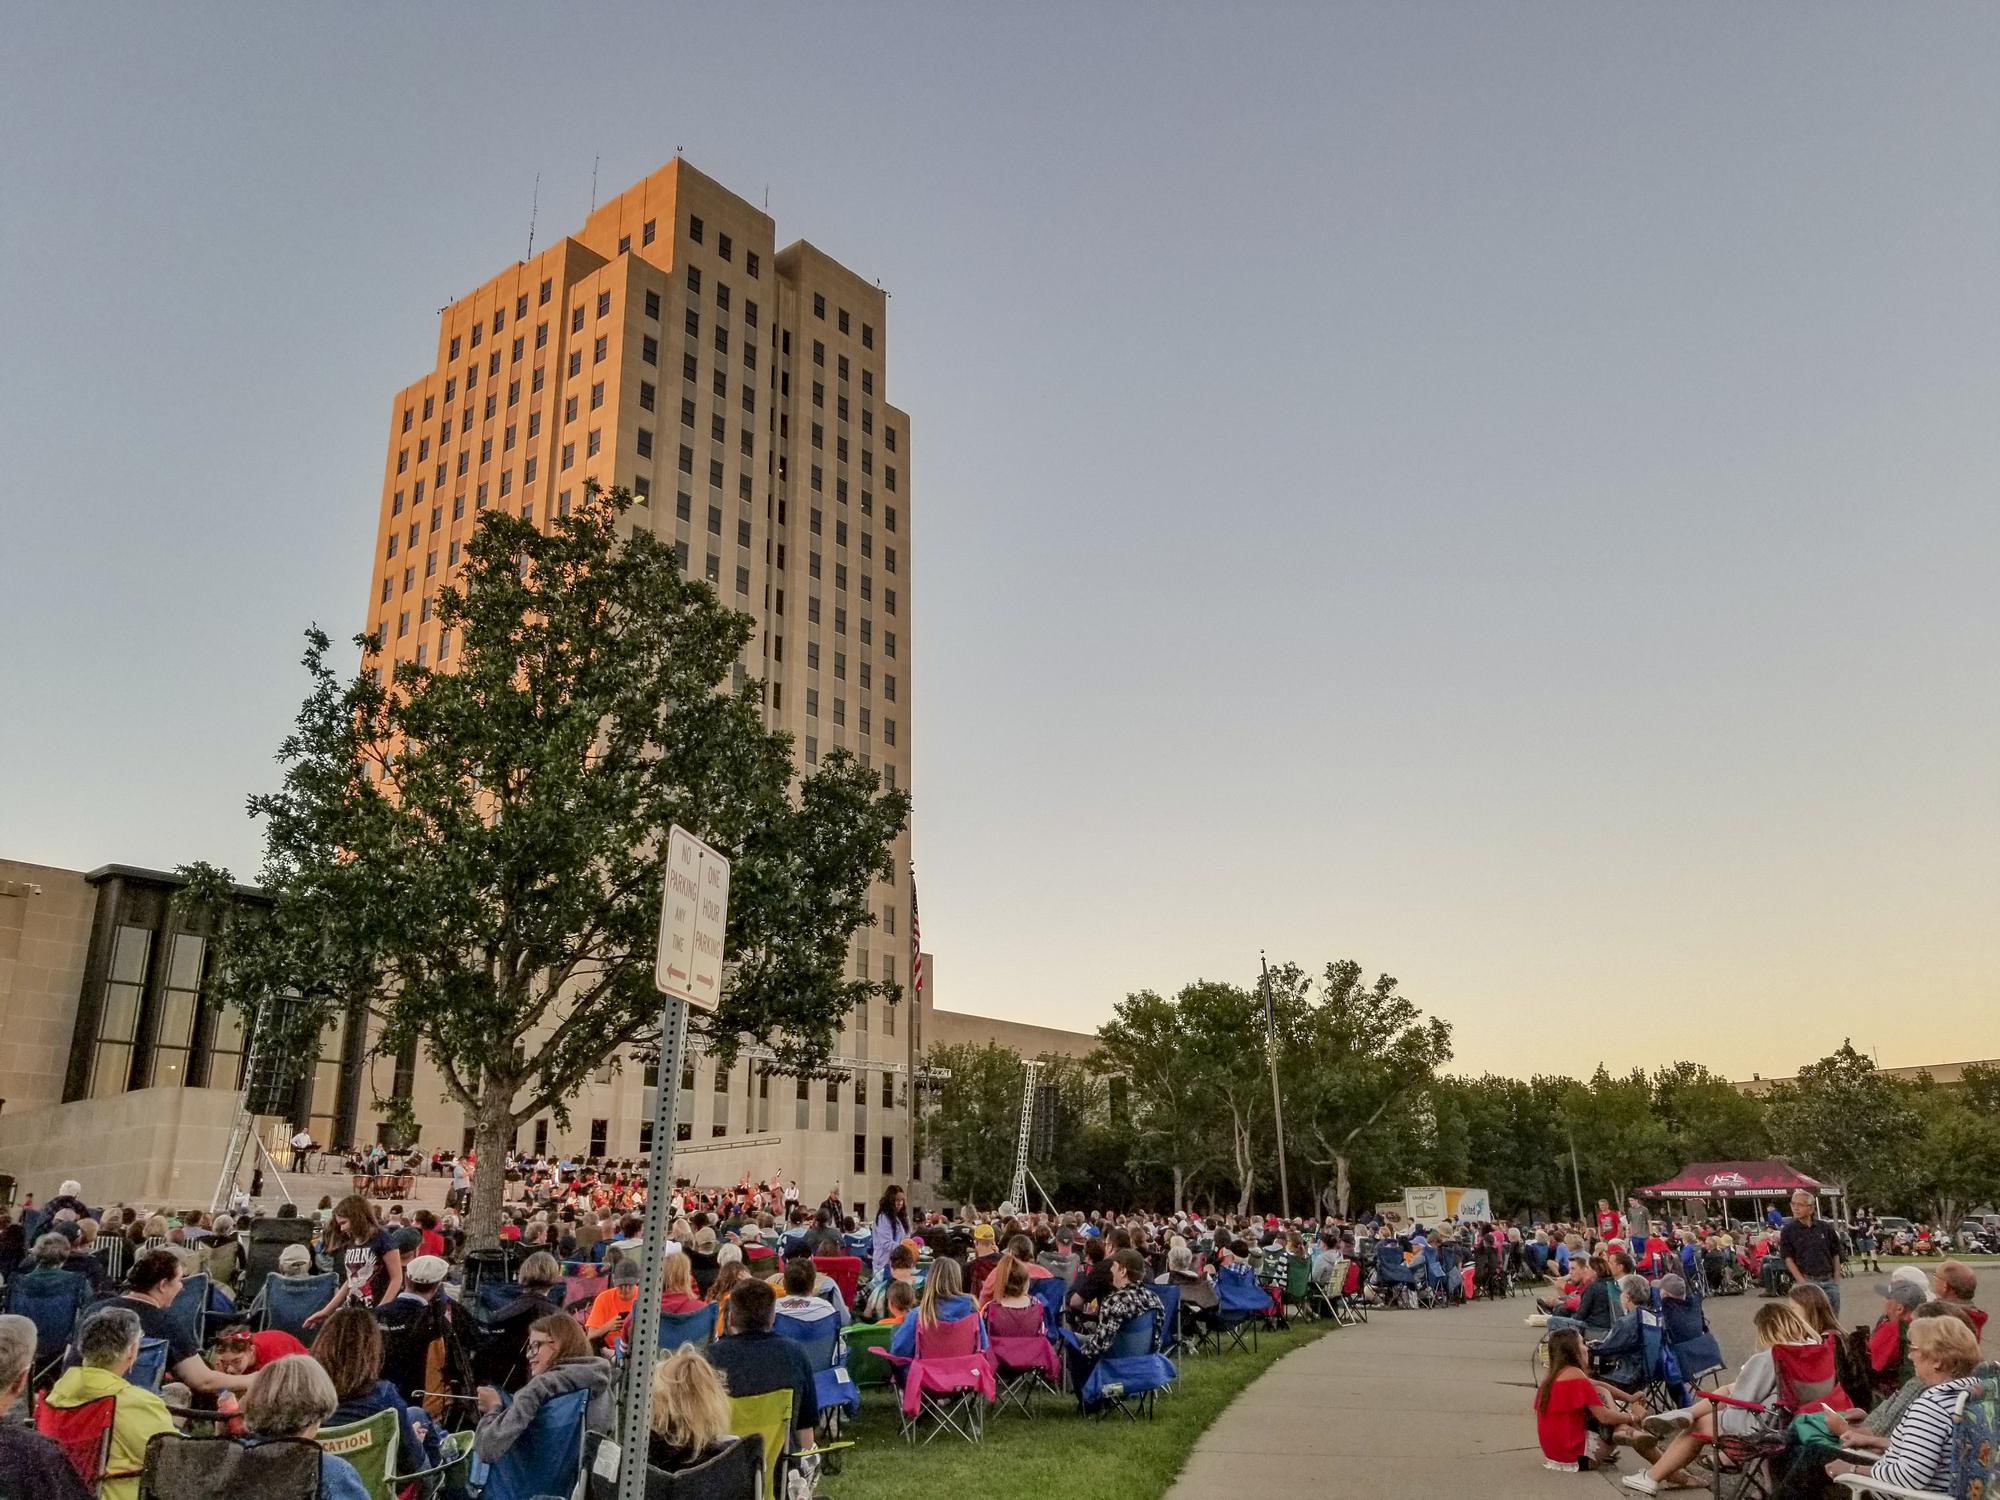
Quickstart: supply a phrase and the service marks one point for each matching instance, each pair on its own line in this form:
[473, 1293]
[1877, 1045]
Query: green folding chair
[370, 1445]
[869, 1371]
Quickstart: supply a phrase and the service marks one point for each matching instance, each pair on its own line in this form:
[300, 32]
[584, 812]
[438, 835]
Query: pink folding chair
[948, 1382]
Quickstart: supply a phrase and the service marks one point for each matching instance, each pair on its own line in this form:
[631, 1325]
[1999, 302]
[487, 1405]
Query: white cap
[428, 1270]
[69, 1189]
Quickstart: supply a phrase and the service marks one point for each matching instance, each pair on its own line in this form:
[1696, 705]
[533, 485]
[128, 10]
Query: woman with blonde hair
[1776, 1323]
[943, 1301]
[689, 1414]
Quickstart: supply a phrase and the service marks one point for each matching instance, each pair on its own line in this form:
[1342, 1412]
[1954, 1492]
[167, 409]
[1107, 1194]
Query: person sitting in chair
[559, 1361]
[754, 1360]
[688, 1419]
[1129, 1298]
[108, 1343]
[292, 1398]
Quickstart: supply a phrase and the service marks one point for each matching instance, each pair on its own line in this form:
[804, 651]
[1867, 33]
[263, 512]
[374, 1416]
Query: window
[812, 655]
[722, 295]
[568, 455]
[819, 394]
[576, 319]
[840, 711]
[486, 450]
[867, 420]
[812, 609]
[717, 428]
[715, 519]
[575, 363]
[548, 290]
[644, 443]
[750, 313]
[492, 366]
[594, 442]
[600, 349]
[819, 354]
[569, 408]
[832, 1105]
[888, 731]
[720, 385]
[477, 330]
[722, 341]
[681, 555]
[403, 459]
[428, 402]
[818, 481]
[867, 335]
[843, 320]
[843, 367]
[687, 459]
[683, 503]
[819, 307]
[541, 335]
[888, 1143]
[866, 627]
[452, 560]
[840, 575]
[694, 229]
[402, 624]
[649, 350]
[867, 382]
[860, 1152]
[750, 398]
[812, 565]
[840, 449]
[453, 355]
[603, 303]
[715, 472]
[534, 424]
[528, 470]
[812, 694]
[596, 395]
[742, 580]
[750, 264]
[388, 588]
[687, 413]
[840, 665]
[646, 394]
[535, 384]
[742, 533]
[818, 435]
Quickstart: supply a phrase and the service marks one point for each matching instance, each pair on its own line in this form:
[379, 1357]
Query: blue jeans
[1832, 1290]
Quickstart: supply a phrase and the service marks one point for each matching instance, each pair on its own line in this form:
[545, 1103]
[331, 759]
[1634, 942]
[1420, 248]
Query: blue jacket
[949, 1311]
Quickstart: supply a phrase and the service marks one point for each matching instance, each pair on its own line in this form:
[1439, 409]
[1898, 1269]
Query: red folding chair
[845, 1271]
[1806, 1382]
[82, 1432]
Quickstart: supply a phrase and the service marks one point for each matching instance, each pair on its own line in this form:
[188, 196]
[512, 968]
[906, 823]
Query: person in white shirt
[798, 1302]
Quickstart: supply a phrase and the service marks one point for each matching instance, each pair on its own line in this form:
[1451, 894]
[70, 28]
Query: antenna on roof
[533, 206]
[767, 197]
[593, 182]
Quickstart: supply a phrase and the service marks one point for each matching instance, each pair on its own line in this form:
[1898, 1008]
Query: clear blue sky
[1505, 493]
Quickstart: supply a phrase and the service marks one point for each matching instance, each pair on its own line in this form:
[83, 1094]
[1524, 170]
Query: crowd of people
[403, 1317]
[1813, 1401]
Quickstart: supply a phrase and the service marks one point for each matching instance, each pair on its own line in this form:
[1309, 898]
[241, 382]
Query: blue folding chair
[150, 1368]
[1241, 1305]
[833, 1389]
[190, 1305]
[52, 1303]
[1129, 1374]
[1051, 1292]
[1170, 1317]
[1395, 1278]
[290, 1300]
[697, 1328]
[546, 1459]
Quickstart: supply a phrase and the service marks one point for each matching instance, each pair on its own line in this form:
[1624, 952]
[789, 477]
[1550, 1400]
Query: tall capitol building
[741, 392]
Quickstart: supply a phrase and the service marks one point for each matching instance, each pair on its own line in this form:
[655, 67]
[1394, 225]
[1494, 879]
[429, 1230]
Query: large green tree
[1171, 1110]
[1707, 1117]
[471, 857]
[1847, 1123]
[971, 1125]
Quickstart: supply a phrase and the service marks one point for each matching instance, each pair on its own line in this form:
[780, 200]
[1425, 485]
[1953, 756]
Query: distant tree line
[1174, 1110]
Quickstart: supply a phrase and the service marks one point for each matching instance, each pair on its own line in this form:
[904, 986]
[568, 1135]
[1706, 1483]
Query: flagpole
[1277, 1102]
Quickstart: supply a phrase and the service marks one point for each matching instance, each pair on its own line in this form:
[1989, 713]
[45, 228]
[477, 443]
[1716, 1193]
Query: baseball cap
[1914, 1276]
[1673, 1286]
[625, 1273]
[427, 1270]
[294, 1260]
[1901, 1291]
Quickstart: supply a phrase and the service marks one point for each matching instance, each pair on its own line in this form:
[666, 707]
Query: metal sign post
[694, 918]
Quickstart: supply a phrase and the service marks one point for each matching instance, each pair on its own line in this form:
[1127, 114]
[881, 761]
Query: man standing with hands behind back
[1811, 1249]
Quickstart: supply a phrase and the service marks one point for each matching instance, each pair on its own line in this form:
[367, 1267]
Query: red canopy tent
[1737, 1179]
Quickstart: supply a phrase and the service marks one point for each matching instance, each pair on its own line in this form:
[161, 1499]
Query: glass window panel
[129, 955]
[120, 1020]
[169, 1066]
[110, 1069]
[176, 1028]
[184, 970]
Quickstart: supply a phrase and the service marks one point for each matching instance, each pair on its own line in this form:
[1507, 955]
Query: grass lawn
[1058, 1455]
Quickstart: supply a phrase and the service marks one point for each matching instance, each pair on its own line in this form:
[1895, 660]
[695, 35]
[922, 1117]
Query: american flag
[916, 938]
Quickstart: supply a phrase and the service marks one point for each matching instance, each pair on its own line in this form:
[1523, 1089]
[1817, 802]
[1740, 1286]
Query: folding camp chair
[870, 1340]
[697, 1328]
[179, 1468]
[1396, 1280]
[949, 1381]
[769, 1418]
[190, 1305]
[150, 1368]
[1170, 1317]
[82, 1432]
[1130, 1373]
[1974, 1454]
[833, 1391]
[1742, 1462]
[546, 1459]
[736, 1473]
[53, 1309]
[1241, 1305]
[1051, 1292]
[1691, 1346]
[1298, 1289]
[370, 1445]
[845, 1271]
[1024, 1366]
[290, 1300]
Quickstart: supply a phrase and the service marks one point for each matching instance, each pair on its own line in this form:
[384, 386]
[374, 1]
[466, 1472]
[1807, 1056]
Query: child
[898, 1301]
[1573, 1416]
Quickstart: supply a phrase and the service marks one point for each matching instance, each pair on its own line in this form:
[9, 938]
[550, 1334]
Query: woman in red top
[1570, 1406]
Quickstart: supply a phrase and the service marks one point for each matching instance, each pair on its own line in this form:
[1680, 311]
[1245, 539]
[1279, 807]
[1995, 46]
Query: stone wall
[157, 1147]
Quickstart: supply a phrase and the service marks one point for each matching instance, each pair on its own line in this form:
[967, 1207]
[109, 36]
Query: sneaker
[1667, 1423]
[1538, 1320]
[1562, 1468]
[1645, 1484]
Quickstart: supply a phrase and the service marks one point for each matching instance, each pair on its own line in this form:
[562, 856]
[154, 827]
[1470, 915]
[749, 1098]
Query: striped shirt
[1919, 1453]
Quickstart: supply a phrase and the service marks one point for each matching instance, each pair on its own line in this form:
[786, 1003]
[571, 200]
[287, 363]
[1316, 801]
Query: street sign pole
[694, 918]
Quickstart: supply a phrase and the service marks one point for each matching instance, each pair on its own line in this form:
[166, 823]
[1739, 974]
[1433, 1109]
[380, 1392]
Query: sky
[1501, 493]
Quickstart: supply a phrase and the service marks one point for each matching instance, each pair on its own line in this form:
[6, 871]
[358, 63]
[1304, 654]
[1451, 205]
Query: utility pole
[1277, 1102]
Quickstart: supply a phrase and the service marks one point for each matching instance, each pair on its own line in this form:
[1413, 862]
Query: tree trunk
[1180, 1185]
[1246, 1175]
[492, 1134]
[1340, 1184]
